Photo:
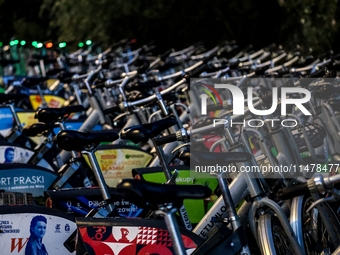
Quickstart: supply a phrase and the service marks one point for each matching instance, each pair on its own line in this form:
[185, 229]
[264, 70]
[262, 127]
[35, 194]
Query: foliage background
[174, 23]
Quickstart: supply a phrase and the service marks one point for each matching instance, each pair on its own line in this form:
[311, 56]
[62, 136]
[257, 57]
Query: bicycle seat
[31, 81]
[71, 140]
[33, 62]
[201, 158]
[142, 133]
[39, 57]
[65, 76]
[6, 62]
[141, 86]
[47, 59]
[36, 129]
[55, 71]
[144, 193]
[7, 98]
[56, 114]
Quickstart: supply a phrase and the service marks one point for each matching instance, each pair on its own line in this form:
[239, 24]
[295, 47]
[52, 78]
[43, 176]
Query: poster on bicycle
[117, 161]
[33, 233]
[130, 237]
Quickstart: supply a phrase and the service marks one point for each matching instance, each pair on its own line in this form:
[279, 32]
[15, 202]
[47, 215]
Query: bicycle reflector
[81, 44]
[22, 43]
[88, 42]
[49, 45]
[62, 44]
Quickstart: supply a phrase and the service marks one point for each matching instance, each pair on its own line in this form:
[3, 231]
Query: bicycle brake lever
[173, 178]
[322, 200]
[120, 116]
[180, 146]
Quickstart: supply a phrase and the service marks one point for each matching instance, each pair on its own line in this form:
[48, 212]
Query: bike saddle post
[167, 211]
[233, 218]
[99, 177]
[62, 126]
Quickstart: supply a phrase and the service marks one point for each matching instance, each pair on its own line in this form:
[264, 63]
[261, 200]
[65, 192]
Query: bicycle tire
[315, 238]
[269, 233]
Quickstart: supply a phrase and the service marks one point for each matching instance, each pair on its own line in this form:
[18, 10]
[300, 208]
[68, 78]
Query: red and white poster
[130, 240]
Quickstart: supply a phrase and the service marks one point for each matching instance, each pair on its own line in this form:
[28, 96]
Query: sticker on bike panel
[27, 119]
[52, 101]
[30, 183]
[14, 154]
[19, 233]
[81, 206]
[6, 123]
[117, 164]
[129, 240]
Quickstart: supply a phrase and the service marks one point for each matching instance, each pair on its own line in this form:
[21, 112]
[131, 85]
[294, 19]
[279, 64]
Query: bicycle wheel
[272, 238]
[310, 227]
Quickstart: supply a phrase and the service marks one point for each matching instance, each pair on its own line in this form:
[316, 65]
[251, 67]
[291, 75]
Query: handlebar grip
[294, 191]
[65, 76]
[326, 54]
[166, 54]
[166, 139]
[197, 71]
[113, 109]
[210, 57]
[107, 62]
[99, 83]
[247, 48]
[212, 108]
[143, 68]
[319, 73]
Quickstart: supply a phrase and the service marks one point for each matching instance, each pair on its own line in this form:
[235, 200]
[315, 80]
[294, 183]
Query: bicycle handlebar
[113, 109]
[302, 189]
[166, 139]
[294, 191]
[154, 97]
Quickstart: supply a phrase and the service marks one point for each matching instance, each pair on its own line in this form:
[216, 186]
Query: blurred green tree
[175, 23]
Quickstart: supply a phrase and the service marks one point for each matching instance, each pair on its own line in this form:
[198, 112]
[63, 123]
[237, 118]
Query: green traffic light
[62, 45]
[16, 41]
[88, 42]
[23, 43]
[12, 43]
[39, 45]
[34, 43]
[1, 44]
[81, 44]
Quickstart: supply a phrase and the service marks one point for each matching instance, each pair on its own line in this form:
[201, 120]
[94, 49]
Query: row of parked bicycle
[237, 150]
